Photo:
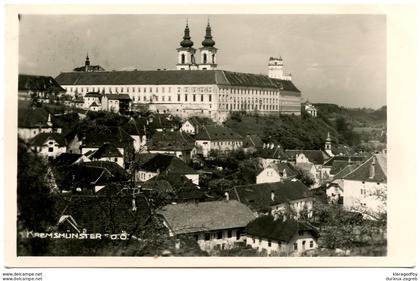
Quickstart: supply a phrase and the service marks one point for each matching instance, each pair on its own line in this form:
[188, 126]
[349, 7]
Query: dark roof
[317, 157]
[66, 159]
[38, 83]
[206, 216]
[93, 95]
[362, 172]
[135, 126]
[177, 77]
[42, 138]
[253, 141]
[330, 162]
[278, 230]
[93, 104]
[167, 163]
[107, 150]
[290, 170]
[111, 134]
[273, 153]
[170, 141]
[162, 121]
[118, 96]
[89, 68]
[217, 133]
[258, 196]
[107, 214]
[345, 171]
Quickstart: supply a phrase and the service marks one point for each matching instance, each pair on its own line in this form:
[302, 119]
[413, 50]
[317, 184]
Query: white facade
[50, 148]
[188, 128]
[268, 175]
[365, 196]
[143, 176]
[29, 133]
[334, 193]
[118, 160]
[219, 239]
[222, 146]
[300, 243]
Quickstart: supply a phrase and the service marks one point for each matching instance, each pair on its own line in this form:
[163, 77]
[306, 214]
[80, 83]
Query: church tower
[186, 54]
[328, 148]
[275, 69]
[87, 63]
[208, 51]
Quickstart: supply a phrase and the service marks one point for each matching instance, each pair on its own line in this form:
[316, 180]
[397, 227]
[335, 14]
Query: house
[281, 237]
[336, 163]
[310, 161]
[334, 189]
[31, 122]
[214, 225]
[364, 188]
[49, 145]
[160, 122]
[117, 103]
[268, 172]
[287, 198]
[272, 153]
[252, 143]
[42, 88]
[175, 143]
[92, 98]
[193, 124]
[136, 128]
[120, 214]
[109, 152]
[217, 138]
[310, 109]
[164, 164]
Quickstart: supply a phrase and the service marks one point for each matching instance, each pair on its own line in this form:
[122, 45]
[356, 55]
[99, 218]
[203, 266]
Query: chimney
[272, 145]
[49, 122]
[272, 195]
[372, 168]
[227, 196]
[284, 174]
[133, 204]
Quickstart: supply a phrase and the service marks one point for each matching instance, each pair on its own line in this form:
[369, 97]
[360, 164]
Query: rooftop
[167, 164]
[217, 133]
[206, 216]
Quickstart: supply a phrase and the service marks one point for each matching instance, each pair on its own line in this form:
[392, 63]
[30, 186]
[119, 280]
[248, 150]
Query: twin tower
[187, 54]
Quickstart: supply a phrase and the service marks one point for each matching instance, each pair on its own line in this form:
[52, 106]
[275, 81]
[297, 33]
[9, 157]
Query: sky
[337, 59]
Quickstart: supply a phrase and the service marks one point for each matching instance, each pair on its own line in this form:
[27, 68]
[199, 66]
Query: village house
[164, 164]
[364, 188]
[268, 172]
[217, 138]
[288, 198]
[162, 122]
[31, 122]
[92, 98]
[193, 124]
[176, 143]
[49, 145]
[109, 152]
[214, 225]
[136, 128]
[336, 163]
[279, 237]
[272, 153]
[42, 88]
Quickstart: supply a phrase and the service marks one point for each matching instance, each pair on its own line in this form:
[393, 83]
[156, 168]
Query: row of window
[139, 89]
[219, 235]
[249, 92]
[250, 106]
[221, 143]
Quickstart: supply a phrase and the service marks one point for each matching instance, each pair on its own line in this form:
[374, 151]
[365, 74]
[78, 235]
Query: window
[207, 236]
[301, 233]
[202, 97]
[115, 159]
[295, 246]
[169, 98]
[311, 244]
[193, 97]
[50, 149]
[253, 240]
[229, 234]
[209, 98]
[179, 97]
[269, 243]
[219, 235]
[186, 97]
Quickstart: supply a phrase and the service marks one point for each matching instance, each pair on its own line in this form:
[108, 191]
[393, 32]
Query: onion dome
[187, 43]
[208, 39]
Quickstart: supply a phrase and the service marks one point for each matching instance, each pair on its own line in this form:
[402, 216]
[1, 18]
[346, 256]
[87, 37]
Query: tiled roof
[118, 96]
[290, 170]
[177, 77]
[117, 173]
[273, 153]
[42, 138]
[66, 159]
[317, 157]
[112, 134]
[217, 133]
[167, 163]
[103, 214]
[258, 196]
[107, 150]
[345, 171]
[170, 141]
[206, 216]
[278, 230]
[38, 83]
[330, 162]
[362, 172]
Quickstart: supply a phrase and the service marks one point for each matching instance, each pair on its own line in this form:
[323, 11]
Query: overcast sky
[336, 59]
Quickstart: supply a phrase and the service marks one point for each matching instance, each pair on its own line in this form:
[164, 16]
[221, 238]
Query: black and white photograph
[209, 135]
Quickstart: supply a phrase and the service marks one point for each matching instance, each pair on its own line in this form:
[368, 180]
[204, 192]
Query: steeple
[187, 43]
[208, 39]
[328, 148]
[87, 62]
